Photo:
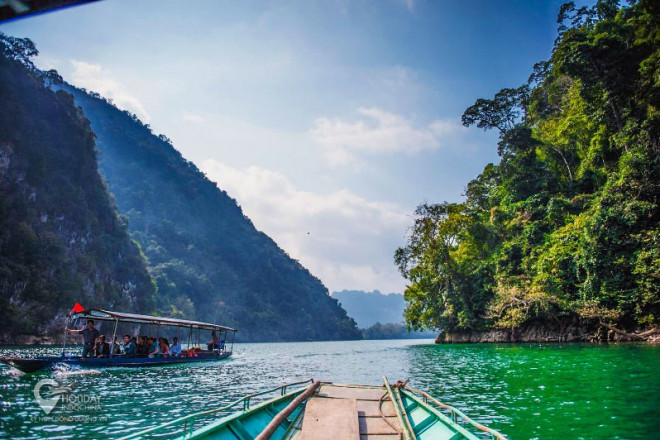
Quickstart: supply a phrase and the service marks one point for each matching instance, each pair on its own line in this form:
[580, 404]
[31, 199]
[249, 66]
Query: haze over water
[531, 391]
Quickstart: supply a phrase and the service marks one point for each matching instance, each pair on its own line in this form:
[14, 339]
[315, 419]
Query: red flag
[77, 308]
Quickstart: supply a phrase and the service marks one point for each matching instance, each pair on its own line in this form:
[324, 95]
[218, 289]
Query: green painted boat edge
[400, 411]
[397, 394]
[295, 427]
[412, 392]
[412, 430]
[238, 416]
[438, 416]
[246, 410]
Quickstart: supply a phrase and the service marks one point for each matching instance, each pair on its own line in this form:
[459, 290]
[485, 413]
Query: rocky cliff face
[61, 239]
[532, 334]
[538, 332]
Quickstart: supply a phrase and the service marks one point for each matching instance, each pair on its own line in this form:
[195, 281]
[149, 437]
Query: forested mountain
[368, 308]
[206, 257]
[61, 239]
[565, 230]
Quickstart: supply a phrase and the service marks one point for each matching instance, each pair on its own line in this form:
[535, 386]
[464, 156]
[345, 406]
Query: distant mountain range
[368, 308]
[379, 316]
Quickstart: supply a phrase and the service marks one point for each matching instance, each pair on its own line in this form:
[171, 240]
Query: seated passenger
[129, 347]
[116, 347]
[143, 346]
[101, 348]
[175, 349]
[164, 347]
[153, 348]
[191, 353]
[215, 341]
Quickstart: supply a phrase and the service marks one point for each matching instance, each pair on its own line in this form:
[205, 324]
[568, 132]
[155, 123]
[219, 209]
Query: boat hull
[42, 363]
[330, 411]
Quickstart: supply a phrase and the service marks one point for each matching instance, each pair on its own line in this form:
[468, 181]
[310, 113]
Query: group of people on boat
[95, 345]
[152, 347]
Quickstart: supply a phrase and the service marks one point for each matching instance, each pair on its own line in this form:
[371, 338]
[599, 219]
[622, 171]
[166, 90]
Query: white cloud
[345, 240]
[93, 77]
[377, 132]
[46, 63]
[195, 119]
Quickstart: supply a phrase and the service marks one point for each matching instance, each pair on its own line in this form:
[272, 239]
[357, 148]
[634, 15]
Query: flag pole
[76, 308]
[66, 325]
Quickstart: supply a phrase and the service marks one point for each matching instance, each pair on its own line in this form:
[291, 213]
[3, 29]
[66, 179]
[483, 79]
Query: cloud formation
[345, 240]
[377, 132]
[93, 77]
[194, 118]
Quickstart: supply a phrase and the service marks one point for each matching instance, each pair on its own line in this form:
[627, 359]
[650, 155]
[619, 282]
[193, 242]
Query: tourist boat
[325, 410]
[188, 332]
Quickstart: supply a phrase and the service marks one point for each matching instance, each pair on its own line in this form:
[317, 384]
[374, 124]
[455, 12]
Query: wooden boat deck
[329, 411]
[348, 412]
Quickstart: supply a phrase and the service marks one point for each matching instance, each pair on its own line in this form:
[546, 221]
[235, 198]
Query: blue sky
[328, 121]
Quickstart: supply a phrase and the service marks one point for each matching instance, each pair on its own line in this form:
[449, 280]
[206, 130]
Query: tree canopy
[566, 227]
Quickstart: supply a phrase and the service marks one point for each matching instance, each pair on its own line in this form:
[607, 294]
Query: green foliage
[61, 240]
[566, 226]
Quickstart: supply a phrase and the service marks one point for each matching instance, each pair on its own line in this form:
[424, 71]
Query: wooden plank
[330, 419]
[369, 408]
[378, 426]
[335, 392]
[380, 437]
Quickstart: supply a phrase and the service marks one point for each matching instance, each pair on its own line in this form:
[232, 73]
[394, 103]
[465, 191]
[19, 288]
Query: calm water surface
[526, 391]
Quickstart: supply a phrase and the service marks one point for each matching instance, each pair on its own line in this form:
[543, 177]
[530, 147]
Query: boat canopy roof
[106, 315]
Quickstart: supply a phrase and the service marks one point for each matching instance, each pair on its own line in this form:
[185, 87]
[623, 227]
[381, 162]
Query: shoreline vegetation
[559, 241]
[531, 334]
[541, 333]
[378, 331]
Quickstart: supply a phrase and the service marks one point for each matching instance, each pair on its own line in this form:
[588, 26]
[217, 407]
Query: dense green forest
[206, 257]
[565, 229]
[61, 239]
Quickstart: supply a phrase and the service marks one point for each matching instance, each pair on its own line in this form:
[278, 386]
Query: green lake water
[527, 391]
